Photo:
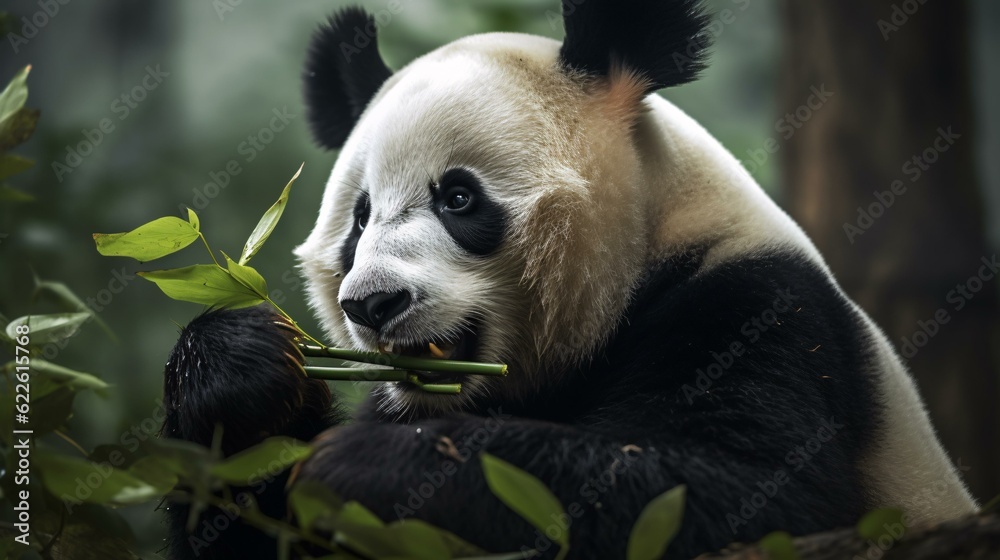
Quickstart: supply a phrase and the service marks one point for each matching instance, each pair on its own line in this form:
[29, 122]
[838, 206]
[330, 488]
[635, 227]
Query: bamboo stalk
[405, 362]
[380, 376]
[441, 388]
[356, 374]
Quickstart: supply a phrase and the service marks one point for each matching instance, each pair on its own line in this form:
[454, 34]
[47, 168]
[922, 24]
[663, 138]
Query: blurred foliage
[199, 137]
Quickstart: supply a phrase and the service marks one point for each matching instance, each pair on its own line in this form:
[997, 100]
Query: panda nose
[376, 309]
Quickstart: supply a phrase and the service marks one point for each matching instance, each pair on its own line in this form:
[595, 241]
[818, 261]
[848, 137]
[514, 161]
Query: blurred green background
[228, 65]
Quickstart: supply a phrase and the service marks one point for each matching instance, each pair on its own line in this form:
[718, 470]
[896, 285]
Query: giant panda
[519, 200]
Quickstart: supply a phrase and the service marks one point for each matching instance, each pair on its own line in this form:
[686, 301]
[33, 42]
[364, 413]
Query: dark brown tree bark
[900, 119]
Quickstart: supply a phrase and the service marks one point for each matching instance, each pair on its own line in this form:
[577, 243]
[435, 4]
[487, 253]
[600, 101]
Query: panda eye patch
[473, 219]
[361, 211]
[457, 192]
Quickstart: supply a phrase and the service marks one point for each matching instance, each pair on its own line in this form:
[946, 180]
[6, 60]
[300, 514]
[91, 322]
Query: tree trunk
[882, 177]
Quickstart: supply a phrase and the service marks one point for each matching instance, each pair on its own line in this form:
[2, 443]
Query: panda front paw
[241, 369]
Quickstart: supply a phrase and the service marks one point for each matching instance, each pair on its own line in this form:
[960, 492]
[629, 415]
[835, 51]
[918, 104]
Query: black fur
[344, 70]
[665, 40]
[242, 370]
[479, 228]
[636, 413]
[362, 209]
[665, 402]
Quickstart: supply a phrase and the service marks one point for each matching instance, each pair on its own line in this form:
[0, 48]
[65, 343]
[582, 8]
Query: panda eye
[470, 216]
[459, 200]
[361, 211]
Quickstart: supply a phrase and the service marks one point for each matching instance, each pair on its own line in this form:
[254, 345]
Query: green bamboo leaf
[248, 276]
[14, 95]
[10, 194]
[190, 462]
[153, 472]
[460, 548]
[657, 525]
[150, 241]
[71, 377]
[360, 530]
[524, 494]
[311, 501]
[206, 284]
[41, 385]
[48, 328]
[267, 222]
[183, 458]
[66, 298]
[11, 164]
[879, 522]
[116, 454]
[418, 540]
[193, 220]
[357, 514]
[80, 480]
[18, 128]
[357, 528]
[255, 463]
[778, 546]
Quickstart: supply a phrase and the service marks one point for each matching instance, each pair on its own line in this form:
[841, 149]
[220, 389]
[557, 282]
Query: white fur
[908, 465]
[596, 188]
[709, 198]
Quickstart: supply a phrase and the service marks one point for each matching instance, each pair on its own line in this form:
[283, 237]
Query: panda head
[486, 197]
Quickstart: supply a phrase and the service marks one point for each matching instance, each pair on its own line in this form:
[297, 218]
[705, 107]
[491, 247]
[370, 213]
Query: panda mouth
[461, 347]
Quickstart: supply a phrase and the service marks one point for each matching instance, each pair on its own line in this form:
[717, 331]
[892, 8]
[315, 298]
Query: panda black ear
[343, 72]
[664, 41]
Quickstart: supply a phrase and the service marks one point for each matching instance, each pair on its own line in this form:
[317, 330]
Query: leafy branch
[17, 124]
[237, 284]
